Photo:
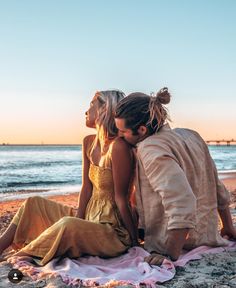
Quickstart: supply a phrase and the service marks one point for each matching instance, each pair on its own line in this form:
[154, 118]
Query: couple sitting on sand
[177, 190]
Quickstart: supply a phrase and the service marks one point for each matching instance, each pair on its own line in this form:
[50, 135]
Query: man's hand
[228, 233]
[175, 242]
[154, 259]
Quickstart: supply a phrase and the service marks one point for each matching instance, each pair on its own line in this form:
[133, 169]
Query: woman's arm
[122, 170]
[87, 187]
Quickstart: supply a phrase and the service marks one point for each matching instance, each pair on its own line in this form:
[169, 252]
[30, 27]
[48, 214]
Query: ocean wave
[34, 184]
[41, 164]
[23, 194]
[226, 172]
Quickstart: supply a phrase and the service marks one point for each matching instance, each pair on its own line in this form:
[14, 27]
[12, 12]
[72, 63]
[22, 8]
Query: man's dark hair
[139, 109]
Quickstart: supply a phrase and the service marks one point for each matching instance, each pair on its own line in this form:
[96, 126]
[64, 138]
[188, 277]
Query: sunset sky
[54, 55]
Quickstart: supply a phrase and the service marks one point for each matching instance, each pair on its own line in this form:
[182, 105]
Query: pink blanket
[126, 269]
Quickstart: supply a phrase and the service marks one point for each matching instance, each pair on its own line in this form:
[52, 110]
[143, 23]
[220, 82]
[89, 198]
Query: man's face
[127, 134]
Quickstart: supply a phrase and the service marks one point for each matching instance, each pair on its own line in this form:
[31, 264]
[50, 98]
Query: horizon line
[213, 143]
[30, 144]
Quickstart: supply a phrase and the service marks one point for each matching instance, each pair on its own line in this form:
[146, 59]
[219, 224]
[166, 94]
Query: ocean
[58, 169]
[41, 169]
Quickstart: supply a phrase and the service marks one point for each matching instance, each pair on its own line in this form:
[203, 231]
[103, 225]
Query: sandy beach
[217, 270]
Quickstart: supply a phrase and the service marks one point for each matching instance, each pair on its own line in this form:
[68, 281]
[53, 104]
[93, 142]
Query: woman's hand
[77, 213]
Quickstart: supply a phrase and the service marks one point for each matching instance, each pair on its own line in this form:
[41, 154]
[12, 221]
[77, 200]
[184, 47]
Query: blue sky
[54, 55]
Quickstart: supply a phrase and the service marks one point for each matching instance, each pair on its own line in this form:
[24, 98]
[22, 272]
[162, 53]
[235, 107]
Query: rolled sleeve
[168, 179]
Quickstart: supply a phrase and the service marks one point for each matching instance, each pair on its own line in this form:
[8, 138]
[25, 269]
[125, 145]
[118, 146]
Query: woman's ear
[142, 130]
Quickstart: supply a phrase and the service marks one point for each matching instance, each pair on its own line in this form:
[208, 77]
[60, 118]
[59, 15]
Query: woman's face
[92, 113]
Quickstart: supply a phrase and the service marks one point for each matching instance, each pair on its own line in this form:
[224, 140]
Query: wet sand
[216, 270]
[9, 208]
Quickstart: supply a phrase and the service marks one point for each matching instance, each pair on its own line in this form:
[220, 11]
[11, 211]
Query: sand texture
[215, 270]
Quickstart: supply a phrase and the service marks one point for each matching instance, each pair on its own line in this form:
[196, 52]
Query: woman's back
[102, 207]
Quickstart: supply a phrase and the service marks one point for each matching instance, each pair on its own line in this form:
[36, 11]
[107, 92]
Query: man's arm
[228, 230]
[175, 242]
[170, 182]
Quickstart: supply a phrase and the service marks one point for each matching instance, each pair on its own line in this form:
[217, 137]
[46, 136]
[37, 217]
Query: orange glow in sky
[54, 60]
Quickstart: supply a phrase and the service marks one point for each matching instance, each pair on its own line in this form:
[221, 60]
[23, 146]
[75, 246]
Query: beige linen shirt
[177, 186]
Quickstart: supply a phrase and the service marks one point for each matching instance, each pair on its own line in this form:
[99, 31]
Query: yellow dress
[47, 229]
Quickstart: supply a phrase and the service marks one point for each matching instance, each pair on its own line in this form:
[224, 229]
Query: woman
[103, 224]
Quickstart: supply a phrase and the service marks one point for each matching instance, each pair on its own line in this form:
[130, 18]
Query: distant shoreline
[6, 144]
[40, 144]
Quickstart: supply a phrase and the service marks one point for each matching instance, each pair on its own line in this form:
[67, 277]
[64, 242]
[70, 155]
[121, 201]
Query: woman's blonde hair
[105, 123]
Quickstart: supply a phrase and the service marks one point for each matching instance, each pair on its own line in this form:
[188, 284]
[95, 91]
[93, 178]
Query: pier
[223, 141]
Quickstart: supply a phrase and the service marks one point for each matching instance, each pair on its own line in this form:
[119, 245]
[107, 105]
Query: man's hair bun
[163, 96]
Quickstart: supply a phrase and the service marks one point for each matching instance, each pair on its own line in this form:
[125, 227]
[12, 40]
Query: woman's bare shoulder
[120, 146]
[88, 139]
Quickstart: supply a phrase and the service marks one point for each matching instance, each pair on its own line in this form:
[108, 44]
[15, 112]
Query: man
[179, 195]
